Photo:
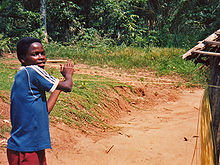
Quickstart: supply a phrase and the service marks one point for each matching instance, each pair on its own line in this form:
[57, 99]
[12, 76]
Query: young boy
[29, 108]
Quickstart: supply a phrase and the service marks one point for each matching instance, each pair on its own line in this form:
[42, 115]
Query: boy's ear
[22, 60]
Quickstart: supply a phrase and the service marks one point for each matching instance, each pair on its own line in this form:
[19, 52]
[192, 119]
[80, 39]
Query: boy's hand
[67, 70]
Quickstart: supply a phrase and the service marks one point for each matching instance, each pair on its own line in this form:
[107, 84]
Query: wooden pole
[212, 43]
[56, 61]
[206, 53]
[214, 96]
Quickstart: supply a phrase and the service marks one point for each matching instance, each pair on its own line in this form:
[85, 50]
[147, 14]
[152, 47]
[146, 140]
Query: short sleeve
[43, 80]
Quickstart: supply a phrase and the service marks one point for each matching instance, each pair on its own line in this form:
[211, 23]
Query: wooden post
[214, 96]
[209, 48]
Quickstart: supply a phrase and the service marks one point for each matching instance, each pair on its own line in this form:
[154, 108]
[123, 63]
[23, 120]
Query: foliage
[114, 19]
[4, 44]
[165, 61]
[131, 22]
[85, 105]
[63, 22]
[16, 20]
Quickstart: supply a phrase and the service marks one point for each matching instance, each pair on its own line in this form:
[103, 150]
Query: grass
[7, 73]
[4, 129]
[165, 61]
[85, 105]
[81, 107]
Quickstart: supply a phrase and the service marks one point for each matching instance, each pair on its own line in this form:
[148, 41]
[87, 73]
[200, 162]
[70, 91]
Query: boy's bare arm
[65, 85]
[52, 100]
[67, 72]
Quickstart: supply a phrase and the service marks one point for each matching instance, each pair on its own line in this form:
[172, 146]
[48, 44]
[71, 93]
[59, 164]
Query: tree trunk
[44, 15]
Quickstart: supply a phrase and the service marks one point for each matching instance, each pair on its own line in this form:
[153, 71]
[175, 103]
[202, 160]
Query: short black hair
[23, 46]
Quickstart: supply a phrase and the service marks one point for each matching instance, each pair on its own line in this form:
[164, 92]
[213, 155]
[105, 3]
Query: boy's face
[35, 55]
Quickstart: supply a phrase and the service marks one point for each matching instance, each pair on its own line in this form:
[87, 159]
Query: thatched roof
[208, 47]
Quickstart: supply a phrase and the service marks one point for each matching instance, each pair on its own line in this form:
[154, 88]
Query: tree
[137, 22]
[43, 13]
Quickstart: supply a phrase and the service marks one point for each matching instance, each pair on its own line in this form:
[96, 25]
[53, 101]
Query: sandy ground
[162, 131]
[165, 134]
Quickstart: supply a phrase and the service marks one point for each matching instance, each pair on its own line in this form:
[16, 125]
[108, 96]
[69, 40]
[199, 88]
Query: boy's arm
[52, 100]
[66, 85]
[67, 72]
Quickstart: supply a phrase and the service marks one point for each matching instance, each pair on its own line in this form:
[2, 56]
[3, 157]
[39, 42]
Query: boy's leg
[26, 158]
[42, 157]
[13, 157]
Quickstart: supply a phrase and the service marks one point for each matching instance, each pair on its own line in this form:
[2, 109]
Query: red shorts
[26, 158]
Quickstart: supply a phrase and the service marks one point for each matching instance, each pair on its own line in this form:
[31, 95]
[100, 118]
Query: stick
[109, 149]
[56, 61]
[199, 68]
[212, 43]
[206, 53]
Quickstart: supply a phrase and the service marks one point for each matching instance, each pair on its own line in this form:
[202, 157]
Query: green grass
[7, 73]
[82, 105]
[85, 105]
[4, 129]
[165, 61]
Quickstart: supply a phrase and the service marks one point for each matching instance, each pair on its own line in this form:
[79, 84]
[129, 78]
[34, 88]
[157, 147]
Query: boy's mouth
[42, 64]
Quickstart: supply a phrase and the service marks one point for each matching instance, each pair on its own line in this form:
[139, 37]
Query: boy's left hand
[67, 69]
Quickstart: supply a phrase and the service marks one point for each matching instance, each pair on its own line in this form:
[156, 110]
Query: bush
[4, 44]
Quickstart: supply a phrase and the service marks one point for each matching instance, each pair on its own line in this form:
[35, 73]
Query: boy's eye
[37, 53]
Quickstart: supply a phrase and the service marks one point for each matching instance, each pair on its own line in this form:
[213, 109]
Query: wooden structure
[207, 52]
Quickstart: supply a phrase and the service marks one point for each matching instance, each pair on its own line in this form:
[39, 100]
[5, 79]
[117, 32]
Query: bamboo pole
[212, 43]
[206, 53]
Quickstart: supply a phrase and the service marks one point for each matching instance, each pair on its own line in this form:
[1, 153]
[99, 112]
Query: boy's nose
[42, 55]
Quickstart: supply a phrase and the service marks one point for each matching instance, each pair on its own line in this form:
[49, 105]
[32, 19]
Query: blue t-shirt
[29, 112]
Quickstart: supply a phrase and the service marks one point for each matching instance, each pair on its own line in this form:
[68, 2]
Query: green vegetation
[126, 34]
[131, 22]
[83, 107]
[86, 104]
[165, 61]
[4, 129]
[7, 76]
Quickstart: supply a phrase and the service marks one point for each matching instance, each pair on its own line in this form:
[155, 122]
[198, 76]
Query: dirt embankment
[163, 134]
[158, 125]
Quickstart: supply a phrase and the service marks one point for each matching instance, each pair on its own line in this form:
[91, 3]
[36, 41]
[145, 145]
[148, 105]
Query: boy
[29, 109]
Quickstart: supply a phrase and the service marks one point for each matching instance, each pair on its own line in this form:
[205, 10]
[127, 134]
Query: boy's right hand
[67, 70]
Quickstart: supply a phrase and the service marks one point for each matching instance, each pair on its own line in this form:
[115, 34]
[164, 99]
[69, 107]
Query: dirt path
[163, 132]
[163, 135]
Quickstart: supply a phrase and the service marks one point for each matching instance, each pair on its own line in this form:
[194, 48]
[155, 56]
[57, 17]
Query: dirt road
[162, 132]
[163, 135]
